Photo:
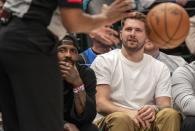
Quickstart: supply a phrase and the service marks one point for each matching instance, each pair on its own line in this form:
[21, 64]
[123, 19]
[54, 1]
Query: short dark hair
[71, 39]
[138, 16]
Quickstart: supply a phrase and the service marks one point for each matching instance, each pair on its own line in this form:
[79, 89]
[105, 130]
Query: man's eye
[129, 29]
[61, 50]
[73, 51]
[138, 30]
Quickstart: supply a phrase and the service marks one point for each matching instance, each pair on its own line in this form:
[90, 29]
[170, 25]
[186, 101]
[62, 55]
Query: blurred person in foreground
[31, 96]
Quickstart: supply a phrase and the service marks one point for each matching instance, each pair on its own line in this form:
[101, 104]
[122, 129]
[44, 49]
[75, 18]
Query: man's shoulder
[172, 58]
[178, 59]
[84, 69]
[111, 54]
[86, 72]
[186, 69]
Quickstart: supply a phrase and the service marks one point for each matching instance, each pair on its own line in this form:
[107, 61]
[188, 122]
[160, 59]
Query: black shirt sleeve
[70, 3]
[89, 79]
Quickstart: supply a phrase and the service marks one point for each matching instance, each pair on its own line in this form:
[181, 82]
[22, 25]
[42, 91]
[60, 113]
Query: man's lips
[132, 40]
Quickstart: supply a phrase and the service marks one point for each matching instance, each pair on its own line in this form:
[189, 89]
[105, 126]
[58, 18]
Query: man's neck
[133, 56]
[100, 48]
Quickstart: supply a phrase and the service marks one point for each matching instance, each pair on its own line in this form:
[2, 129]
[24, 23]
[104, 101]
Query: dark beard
[133, 49]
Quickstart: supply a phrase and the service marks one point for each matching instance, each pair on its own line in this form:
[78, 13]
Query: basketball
[168, 24]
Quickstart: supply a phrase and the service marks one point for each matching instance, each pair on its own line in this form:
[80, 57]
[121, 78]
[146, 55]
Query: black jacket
[88, 77]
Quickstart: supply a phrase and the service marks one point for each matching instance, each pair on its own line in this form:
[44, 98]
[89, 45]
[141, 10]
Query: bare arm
[103, 102]
[163, 102]
[77, 21]
[105, 106]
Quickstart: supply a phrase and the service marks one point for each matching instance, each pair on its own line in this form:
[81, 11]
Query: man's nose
[68, 53]
[132, 32]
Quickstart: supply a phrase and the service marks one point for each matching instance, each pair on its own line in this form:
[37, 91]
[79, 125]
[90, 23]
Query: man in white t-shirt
[133, 88]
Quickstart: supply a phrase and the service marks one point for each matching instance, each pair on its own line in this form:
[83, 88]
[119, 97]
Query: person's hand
[70, 127]
[144, 123]
[146, 115]
[182, 2]
[118, 10]
[133, 115]
[70, 73]
[105, 35]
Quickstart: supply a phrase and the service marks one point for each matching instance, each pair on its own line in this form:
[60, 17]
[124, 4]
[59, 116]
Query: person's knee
[168, 119]
[170, 113]
[119, 117]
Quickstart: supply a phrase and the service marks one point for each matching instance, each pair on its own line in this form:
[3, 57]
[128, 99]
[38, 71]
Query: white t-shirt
[132, 84]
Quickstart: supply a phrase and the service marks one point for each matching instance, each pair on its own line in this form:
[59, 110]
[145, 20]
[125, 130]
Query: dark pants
[188, 124]
[30, 83]
[88, 127]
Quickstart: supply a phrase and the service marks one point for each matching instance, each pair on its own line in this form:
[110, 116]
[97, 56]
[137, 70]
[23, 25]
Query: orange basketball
[169, 25]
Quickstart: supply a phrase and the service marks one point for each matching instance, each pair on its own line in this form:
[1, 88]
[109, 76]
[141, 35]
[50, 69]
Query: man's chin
[134, 48]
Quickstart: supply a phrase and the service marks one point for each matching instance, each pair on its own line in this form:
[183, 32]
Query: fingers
[148, 124]
[141, 122]
[149, 116]
[152, 118]
[123, 3]
[145, 112]
[105, 35]
[142, 109]
[65, 68]
[110, 39]
[147, 109]
[106, 40]
[67, 64]
[111, 31]
[144, 123]
[136, 122]
[124, 8]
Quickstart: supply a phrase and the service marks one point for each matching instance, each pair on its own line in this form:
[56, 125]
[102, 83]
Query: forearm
[89, 110]
[106, 107]
[85, 22]
[163, 102]
[79, 96]
[80, 102]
